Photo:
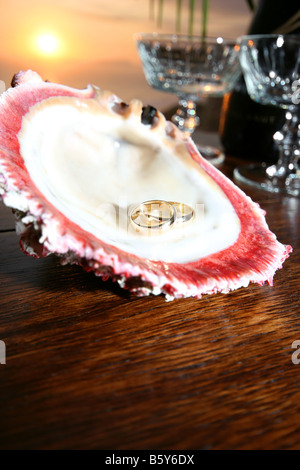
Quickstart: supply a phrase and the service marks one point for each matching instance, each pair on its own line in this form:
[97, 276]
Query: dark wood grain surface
[90, 367]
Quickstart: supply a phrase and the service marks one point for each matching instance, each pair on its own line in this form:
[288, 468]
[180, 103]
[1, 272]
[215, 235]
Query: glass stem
[186, 118]
[288, 142]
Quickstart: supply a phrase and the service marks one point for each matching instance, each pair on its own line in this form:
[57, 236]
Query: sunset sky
[76, 43]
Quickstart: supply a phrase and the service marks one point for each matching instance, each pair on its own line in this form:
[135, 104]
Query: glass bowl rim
[271, 36]
[177, 37]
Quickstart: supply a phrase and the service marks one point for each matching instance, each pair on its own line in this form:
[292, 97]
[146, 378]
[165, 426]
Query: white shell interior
[94, 165]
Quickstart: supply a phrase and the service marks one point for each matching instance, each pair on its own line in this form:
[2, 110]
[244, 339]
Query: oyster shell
[120, 191]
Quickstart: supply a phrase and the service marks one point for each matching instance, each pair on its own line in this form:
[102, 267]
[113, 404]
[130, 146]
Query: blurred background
[76, 43]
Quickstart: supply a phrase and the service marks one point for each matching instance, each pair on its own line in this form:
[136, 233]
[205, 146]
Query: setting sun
[48, 44]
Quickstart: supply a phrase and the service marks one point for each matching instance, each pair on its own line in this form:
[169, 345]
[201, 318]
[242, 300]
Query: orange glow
[94, 41]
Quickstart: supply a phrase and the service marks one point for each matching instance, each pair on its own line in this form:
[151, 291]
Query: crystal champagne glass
[271, 66]
[190, 67]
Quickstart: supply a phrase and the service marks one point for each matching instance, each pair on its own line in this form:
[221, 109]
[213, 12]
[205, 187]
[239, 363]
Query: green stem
[178, 15]
[205, 8]
[192, 16]
[160, 13]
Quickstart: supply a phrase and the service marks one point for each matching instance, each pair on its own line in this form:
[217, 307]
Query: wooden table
[90, 367]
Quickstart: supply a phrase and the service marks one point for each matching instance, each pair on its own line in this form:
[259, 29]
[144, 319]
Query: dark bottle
[246, 127]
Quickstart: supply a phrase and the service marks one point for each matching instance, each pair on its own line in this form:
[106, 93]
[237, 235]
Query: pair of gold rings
[158, 214]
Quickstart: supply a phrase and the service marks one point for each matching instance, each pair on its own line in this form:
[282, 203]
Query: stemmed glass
[190, 67]
[271, 66]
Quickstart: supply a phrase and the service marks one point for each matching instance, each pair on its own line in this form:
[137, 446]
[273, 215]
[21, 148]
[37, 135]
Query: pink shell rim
[255, 257]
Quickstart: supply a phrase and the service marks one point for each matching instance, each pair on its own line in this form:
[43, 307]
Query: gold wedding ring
[154, 214]
[184, 212]
[158, 214]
